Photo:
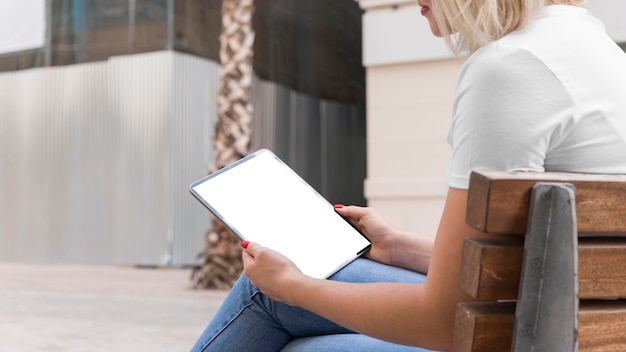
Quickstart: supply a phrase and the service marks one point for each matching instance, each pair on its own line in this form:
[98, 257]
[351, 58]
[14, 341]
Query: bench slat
[498, 201]
[491, 267]
[485, 326]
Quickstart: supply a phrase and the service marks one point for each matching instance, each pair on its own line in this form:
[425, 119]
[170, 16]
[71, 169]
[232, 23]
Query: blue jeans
[250, 321]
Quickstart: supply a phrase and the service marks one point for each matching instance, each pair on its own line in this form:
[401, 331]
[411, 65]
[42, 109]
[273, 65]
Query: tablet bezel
[322, 206]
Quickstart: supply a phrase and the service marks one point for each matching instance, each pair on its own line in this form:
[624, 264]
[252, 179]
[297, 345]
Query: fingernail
[338, 206]
[244, 244]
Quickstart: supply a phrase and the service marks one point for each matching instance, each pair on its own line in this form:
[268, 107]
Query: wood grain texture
[488, 327]
[491, 267]
[498, 202]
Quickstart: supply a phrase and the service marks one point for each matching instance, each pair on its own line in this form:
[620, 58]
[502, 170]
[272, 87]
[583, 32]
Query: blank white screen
[264, 201]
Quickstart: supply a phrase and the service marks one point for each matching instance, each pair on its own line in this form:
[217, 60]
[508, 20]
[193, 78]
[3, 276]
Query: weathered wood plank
[485, 327]
[488, 327]
[491, 267]
[498, 201]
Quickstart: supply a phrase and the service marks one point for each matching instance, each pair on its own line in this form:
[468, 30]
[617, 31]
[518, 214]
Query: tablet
[262, 200]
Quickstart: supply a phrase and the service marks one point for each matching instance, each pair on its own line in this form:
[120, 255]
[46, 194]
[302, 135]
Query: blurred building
[410, 86]
[107, 110]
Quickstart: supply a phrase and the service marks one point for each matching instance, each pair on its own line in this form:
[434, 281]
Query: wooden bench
[534, 290]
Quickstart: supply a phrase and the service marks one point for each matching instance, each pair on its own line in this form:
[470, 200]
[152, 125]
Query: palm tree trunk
[222, 255]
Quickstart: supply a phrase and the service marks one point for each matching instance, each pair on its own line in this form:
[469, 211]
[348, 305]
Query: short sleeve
[509, 110]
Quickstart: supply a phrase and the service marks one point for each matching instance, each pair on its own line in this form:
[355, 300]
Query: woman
[544, 89]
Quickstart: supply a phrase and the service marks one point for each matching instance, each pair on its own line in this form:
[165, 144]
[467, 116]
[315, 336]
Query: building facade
[108, 117]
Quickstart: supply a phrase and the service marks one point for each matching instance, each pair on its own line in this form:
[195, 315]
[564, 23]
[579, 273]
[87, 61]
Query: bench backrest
[499, 203]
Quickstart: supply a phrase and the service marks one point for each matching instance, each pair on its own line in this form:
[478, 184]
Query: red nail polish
[244, 244]
[338, 206]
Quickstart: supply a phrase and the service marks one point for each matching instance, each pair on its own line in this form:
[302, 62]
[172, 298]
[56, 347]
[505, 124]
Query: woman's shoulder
[501, 55]
[500, 64]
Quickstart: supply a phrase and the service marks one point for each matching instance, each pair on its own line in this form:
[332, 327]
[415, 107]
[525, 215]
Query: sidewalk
[78, 308]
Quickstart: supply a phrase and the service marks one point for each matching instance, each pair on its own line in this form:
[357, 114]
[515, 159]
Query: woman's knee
[366, 270]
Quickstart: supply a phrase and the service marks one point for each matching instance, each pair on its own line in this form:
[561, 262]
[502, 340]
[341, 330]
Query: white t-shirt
[549, 97]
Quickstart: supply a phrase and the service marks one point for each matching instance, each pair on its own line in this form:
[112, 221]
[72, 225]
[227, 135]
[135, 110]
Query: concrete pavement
[77, 308]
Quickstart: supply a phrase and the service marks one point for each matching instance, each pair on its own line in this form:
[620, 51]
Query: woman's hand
[389, 246]
[374, 227]
[270, 271]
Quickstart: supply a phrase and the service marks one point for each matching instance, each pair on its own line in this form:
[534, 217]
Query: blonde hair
[470, 24]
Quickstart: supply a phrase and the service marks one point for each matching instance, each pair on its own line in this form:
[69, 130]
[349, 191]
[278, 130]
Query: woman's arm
[390, 246]
[404, 313]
